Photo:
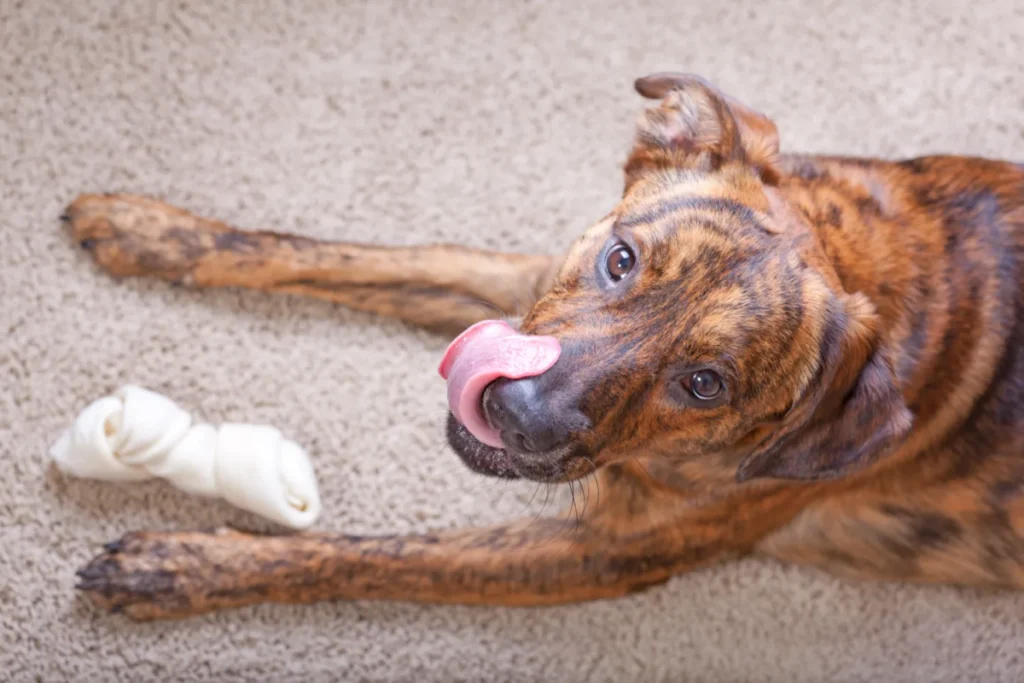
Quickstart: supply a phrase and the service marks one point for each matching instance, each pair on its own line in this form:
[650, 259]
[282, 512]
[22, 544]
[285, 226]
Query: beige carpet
[492, 124]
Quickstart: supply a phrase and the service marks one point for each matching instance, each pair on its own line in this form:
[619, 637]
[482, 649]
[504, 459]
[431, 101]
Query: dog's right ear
[698, 126]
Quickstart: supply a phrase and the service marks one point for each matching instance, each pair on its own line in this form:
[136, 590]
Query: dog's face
[697, 322]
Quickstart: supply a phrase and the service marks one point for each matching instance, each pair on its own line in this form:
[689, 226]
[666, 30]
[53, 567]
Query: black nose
[528, 423]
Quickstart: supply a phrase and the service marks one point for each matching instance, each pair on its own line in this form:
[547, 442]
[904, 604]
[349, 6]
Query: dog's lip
[477, 455]
[559, 464]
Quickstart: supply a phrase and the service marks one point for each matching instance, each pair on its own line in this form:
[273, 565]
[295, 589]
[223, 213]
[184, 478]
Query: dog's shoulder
[937, 243]
[947, 184]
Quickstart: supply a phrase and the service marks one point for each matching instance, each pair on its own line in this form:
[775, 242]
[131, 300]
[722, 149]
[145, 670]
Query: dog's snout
[525, 418]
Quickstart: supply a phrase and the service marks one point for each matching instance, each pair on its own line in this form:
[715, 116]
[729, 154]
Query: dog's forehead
[677, 229]
[660, 206]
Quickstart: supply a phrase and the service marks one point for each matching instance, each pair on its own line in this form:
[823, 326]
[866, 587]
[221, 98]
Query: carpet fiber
[499, 125]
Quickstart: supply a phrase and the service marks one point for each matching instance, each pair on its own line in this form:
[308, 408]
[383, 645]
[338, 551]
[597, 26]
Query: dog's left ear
[698, 126]
[850, 416]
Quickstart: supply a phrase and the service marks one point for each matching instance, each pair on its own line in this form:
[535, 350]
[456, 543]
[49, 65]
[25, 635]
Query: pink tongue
[483, 353]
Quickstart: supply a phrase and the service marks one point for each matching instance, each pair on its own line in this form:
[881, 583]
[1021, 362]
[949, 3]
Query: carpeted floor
[491, 124]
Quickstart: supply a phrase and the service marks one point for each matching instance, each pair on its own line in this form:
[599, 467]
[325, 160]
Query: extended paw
[161, 575]
[132, 235]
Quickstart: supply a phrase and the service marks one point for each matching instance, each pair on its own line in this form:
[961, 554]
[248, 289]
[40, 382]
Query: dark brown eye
[705, 385]
[619, 262]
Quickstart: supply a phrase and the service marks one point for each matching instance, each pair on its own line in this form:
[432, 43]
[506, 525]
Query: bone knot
[138, 434]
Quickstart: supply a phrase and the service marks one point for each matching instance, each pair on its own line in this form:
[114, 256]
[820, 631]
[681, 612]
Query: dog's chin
[561, 464]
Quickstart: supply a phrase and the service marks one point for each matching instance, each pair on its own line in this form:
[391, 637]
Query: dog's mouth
[477, 455]
[482, 354]
[489, 350]
[561, 464]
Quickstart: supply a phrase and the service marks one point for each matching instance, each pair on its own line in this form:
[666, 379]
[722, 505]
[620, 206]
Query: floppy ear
[849, 418]
[698, 126]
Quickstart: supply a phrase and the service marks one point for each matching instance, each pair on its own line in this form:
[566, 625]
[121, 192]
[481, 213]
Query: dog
[817, 359]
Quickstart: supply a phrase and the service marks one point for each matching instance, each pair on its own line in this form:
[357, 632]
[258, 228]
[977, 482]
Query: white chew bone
[139, 434]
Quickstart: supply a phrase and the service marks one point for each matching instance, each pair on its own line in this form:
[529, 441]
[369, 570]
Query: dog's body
[936, 245]
[865, 320]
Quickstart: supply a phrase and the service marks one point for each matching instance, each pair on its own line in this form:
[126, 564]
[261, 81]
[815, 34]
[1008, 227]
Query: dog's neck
[846, 235]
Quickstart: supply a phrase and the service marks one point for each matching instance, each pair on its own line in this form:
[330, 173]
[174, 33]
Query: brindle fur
[867, 314]
[442, 288]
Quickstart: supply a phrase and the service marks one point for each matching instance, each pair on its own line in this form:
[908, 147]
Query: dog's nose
[527, 423]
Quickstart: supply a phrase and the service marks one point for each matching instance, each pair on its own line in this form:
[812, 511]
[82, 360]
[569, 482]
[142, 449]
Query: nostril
[531, 442]
[493, 410]
[519, 442]
[526, 421]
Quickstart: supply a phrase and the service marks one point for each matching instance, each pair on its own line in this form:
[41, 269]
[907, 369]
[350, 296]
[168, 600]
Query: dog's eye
[619, 262]
[705, 385]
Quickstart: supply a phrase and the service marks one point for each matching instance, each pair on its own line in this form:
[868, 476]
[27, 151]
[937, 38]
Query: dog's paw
[131, 235]
[163, 575]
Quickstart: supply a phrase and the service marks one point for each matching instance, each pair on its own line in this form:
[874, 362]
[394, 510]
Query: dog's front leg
[153, 575]
[440, 287]
[632, 539]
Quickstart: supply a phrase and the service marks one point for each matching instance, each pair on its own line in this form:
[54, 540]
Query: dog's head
[700, 320]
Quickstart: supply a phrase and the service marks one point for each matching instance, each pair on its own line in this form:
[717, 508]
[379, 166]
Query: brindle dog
[818, 359]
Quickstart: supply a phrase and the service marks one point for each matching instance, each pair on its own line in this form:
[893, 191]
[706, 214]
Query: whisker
[581, 512]
[585, 491]
[485, 304]
[576, 510]
[547, 495]
[597, 480]
[568, 513]
[530, 502]
[637, 460]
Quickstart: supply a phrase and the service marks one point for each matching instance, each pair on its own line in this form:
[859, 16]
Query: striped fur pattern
[866, 316]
